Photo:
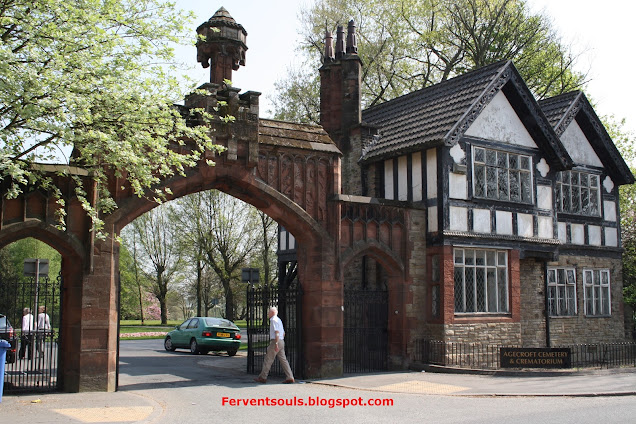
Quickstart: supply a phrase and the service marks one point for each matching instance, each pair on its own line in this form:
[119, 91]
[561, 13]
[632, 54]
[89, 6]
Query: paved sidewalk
[129, 407]
[621, 382]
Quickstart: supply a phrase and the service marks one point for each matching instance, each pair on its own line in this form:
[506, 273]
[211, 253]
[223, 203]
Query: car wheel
[167, 344]
[231, 352]
[194, 347]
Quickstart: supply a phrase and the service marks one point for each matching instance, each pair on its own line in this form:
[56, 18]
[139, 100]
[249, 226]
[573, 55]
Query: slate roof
[563, 109]
[441, 113]
[301, 136]
[556, 107]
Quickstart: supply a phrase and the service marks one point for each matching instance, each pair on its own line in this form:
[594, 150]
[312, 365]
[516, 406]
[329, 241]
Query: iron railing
[485, 356]
[288, 302]
[365, 342]
[33, 366]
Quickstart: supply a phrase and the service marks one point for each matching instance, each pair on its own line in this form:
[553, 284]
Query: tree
[158, 241]
[93, 77]
[624, 141]
[407, 45]
[231, 236]
[269, 244]
[133, 281]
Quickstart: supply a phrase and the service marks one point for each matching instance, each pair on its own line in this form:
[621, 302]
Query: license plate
[222, 334]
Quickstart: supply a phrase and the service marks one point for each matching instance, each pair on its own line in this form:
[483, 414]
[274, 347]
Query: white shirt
[27, 323]
[275, 324]
[44, 322]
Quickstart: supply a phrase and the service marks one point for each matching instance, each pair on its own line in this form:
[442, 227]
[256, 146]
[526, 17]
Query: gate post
[322, 314]
[89, 330]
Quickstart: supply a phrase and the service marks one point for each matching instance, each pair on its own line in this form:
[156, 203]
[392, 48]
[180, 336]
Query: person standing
[275, 349]
[44, 327]
[26, 339]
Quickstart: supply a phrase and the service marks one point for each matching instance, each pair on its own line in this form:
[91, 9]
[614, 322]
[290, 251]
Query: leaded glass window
[502, 175]
[578, 193]
[597, 291]
[481, 281]
[561, 291]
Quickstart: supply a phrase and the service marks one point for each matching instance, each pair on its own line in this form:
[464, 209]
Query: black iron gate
[365, 341]
[32, 362]
[288, 301]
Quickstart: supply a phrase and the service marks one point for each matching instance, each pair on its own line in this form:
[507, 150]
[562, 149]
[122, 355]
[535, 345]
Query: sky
[605, 30]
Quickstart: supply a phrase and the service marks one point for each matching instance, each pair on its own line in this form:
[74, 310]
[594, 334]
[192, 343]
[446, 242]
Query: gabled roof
[563, 109]
[442, 113]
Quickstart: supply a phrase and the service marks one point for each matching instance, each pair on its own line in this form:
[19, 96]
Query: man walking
[276, 348]
[43, 329]
[26, 338]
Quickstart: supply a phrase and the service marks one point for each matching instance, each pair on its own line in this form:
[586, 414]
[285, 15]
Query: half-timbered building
[521, 242]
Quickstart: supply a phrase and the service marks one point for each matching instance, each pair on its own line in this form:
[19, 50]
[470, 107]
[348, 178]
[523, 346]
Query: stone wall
[490, 333]
[532, 303]
[577, 329]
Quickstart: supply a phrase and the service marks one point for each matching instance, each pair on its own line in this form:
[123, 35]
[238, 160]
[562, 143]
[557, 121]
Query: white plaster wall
[499, 121]
[431, 173]
[611, 237]
[481, 221]
[416, 161]
[388, 179]
[544, 197]
[578, 233]
[562, 228]
[282, 240]
[578, 146]
[458, 218]
[504, 222]
[594, 235]
[525, 225]
[609, 210]
[545, 227]
[403, 182]
[457, 186]
[432, 219]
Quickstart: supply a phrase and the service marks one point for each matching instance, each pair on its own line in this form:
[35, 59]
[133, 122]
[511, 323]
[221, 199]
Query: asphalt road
[215, 388]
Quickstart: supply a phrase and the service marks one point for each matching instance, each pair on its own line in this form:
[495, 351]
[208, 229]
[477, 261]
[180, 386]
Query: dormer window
[578, 193]
[500, 175]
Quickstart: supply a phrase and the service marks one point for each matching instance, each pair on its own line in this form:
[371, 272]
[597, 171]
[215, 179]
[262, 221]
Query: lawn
[152, 329]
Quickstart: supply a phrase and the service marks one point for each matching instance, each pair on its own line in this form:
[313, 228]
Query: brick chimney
[340, 79]
[340, 108]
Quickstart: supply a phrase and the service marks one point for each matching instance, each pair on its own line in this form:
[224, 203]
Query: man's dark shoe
[289, 381]
[260, 380]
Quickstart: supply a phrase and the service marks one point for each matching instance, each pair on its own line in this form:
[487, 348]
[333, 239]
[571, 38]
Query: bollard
[4, 346]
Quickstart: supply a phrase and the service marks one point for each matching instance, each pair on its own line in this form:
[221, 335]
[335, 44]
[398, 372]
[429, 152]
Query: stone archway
[374, 256]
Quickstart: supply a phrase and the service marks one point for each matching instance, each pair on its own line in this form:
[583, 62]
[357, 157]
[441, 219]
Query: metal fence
[365, 342]
[484, 356]
[288, 302]
[32, 366]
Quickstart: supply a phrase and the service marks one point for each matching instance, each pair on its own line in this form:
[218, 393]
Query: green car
[204, 334]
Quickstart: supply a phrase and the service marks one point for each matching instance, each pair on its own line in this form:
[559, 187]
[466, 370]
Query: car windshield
[218, 322]
[4, 322]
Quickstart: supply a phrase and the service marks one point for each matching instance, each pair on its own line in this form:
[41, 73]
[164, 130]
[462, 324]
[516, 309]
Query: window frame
[501, 173]
[567, 178]
[558, 296]
[595, 303]
[498, 268]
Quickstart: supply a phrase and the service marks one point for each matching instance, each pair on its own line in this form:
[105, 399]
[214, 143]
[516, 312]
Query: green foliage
[93, 76]
[407, 45]
[625, 142]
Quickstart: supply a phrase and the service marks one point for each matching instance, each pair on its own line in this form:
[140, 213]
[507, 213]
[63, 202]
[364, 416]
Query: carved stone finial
[340, 43]
[352, 42]
[329, 56]
[221, 46]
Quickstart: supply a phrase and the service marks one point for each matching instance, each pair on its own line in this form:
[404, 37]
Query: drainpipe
[547, 304]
